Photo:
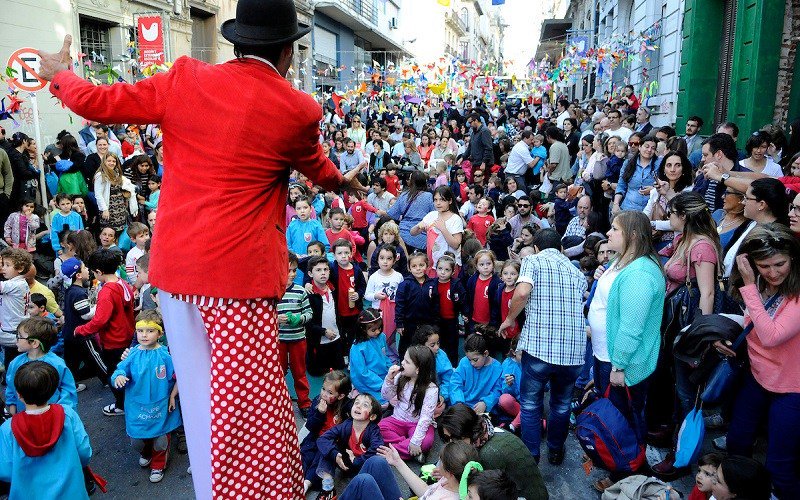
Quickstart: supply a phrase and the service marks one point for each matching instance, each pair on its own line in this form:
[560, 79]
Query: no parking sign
[25, 63]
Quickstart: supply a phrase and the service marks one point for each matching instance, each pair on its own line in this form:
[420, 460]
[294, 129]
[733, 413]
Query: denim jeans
[375, 482]
[586, 370]
[753, 406]
[633, 410]
[535, 376]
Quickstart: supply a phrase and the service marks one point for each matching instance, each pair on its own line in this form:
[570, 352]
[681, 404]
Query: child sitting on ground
[511, 373]
[411, 389]
[35, 336]
[44, 448]
[148, 376]
[331, 407]
[348, 445]
[490, 485]
[706, 476]
[476, 381]
[369, 356]
[428, 336]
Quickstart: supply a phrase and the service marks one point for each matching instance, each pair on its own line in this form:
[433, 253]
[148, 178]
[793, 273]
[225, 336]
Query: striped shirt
[294, 301]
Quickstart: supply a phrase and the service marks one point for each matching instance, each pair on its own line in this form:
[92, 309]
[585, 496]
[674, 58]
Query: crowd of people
[501, 253]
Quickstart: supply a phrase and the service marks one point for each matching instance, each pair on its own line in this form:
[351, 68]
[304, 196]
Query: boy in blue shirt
[44, 448]
[302, 231]
[35, 336]
[63, 219]
[476, 381]
[148, 376]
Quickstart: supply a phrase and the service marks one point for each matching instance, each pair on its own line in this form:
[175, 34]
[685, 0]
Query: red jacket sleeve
[102, 315]
[141, 102]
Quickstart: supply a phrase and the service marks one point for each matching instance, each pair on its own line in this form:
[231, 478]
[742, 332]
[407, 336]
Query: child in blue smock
[43, 448]
[428, 336]
[476, 381]
[148, 376]
[369, 359]
[35, 336]
[302, 231]
[511, 375]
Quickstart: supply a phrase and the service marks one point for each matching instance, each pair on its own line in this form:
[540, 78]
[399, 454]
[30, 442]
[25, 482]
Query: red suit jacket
[232, 133]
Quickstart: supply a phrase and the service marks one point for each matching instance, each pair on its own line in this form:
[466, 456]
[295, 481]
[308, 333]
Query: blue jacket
[299, 234]
[314, 424]
[511, 367]
[152, 378]
[336, 441]
[457, 294]
[56, 474]
[66, 394]
[369, 364]
[469, 385]
[413, 303]
[72, 219]
[494, 306]
[444, 372]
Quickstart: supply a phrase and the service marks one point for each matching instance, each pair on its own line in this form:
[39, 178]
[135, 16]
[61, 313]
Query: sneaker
[721, 443]
[714, 421]
[144, 462]
[80, 387]
[112, 410]
[327, 495]
[156, 475]
[555, 457]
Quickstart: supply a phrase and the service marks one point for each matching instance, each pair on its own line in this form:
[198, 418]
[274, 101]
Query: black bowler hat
[264, 22]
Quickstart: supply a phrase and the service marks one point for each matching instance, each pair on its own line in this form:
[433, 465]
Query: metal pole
[37, 132]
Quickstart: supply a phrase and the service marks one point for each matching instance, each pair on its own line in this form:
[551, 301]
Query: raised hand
[53, 63]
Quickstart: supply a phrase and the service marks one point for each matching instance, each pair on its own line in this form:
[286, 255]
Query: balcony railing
[457, 21]
[364, 8]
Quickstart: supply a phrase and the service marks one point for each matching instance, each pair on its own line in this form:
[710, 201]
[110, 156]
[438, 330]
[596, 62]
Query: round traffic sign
[25, 63]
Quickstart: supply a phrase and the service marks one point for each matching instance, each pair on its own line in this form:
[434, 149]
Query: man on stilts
[219, 257]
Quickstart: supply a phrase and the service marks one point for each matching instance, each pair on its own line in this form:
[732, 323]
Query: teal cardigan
[633, 319]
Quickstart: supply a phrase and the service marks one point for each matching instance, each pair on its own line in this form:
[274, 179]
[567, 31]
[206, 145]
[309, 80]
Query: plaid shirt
[554, 330]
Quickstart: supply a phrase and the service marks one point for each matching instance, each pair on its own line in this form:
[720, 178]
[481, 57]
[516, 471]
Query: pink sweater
[774, 343]
[404, 408]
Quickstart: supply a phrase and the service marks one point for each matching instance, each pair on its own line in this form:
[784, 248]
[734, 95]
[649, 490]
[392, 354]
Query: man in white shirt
[370, 147]
[380, 198]
[520, 159]
[474, 194]
[563, 113]
[615, 127]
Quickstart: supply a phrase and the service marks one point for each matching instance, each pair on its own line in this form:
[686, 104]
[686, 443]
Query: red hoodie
[113, 318]
[37, 434]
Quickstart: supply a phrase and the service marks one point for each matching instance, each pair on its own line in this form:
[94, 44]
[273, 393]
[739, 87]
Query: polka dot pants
[254, 451]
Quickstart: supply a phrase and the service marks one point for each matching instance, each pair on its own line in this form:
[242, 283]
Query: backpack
[608, 438]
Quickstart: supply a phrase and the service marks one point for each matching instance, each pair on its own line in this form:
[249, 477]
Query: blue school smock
[152, 377]
[65, 395]
[369, 364]
[511, 367]
[56, 474]
[469, 385]
[299, 234]
[444, 372]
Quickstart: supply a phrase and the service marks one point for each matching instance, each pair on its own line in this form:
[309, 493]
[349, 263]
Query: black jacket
[480, 147]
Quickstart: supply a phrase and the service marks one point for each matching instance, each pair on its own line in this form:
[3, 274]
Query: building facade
[104, 30]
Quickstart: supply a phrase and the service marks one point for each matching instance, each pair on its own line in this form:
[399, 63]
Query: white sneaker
[144, 462]
[156, 475]
[112, 410]
[80, 387]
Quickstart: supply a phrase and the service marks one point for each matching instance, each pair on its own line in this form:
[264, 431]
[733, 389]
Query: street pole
[37, 132]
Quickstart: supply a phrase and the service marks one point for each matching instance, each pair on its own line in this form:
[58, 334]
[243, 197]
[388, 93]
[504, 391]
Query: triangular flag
[337, 99]
[446, 3]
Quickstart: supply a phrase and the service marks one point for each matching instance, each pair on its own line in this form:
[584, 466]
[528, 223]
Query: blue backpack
[608, 438]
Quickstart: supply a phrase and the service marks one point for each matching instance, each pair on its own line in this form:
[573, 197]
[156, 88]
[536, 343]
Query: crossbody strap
[749, 327]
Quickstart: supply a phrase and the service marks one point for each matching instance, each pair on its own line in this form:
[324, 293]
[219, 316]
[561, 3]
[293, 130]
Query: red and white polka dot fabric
[254, 450]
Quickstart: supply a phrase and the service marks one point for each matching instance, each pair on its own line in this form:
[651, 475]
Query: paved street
[117, 461]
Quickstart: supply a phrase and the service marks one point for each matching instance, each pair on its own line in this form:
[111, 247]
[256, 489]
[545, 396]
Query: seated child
[511, 373]
[148, 376]
[45, 447]
[328, 409]
[490, 485]
[706, 476]
[476, 381]
[369, 356]
[428, 336]
[412, 391]
[348, 445]
[35, 337]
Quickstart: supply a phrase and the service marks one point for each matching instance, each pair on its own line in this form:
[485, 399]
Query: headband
[149, 324]
[462, 486]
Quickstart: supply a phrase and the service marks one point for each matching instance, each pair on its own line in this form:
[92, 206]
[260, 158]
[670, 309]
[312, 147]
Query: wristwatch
[616, 370]
[724, 178]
